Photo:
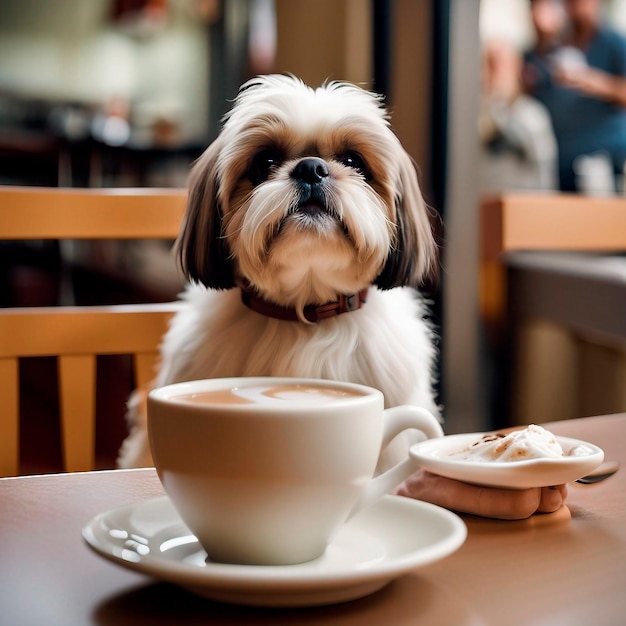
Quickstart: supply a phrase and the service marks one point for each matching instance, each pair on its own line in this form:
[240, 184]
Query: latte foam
[297, 393]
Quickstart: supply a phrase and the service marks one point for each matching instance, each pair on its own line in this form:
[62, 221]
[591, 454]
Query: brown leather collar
[313, 313]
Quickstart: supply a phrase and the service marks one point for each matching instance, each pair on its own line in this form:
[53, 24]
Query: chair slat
[77, 393]
[9, 418]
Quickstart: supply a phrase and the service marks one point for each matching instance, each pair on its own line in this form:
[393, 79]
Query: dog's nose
[311, 170]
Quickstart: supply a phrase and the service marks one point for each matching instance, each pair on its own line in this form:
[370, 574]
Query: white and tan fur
[245, 226]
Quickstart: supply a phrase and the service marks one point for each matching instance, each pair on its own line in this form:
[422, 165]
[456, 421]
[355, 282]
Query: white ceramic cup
[267, 478]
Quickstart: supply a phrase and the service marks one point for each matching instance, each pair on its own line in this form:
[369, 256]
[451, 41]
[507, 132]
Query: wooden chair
[76, 335]
[516, 221]
[516, 290]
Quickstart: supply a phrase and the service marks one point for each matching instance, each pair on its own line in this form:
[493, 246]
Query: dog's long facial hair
[305, 195]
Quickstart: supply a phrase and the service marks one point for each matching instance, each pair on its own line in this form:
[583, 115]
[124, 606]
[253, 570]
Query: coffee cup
[264, 471]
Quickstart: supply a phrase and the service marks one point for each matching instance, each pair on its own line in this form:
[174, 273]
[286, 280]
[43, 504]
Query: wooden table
[551, 570]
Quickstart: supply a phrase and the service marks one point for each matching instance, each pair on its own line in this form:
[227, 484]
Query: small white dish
[391, 538]
[434, 455]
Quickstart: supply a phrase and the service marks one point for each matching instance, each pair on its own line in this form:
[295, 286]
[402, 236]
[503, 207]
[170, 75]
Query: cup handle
[396, 420]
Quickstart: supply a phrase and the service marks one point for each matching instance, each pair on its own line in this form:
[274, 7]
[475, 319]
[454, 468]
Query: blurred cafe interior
[128, 93]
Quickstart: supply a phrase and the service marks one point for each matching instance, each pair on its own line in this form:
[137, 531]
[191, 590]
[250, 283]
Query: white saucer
[389, 539]
[434, 456]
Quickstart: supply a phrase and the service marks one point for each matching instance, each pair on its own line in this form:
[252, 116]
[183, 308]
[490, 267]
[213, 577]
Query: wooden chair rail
[50, 331]
[51, 213]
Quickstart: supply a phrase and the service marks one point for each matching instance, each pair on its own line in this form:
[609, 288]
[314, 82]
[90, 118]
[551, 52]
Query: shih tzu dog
[304, 241]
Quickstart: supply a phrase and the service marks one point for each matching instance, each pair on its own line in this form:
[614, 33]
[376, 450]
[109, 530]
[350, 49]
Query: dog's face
[305, 194]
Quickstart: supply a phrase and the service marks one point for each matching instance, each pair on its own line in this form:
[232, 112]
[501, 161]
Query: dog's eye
[262, 165]
[356, 162]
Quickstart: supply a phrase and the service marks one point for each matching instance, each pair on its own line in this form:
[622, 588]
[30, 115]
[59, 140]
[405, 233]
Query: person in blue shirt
[582, 83]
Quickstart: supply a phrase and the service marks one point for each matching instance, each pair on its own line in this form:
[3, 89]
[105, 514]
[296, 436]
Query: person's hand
[594, 83]
[508, 504]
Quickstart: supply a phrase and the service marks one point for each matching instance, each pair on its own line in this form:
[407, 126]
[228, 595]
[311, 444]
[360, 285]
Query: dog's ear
[201, 247]
[413, 257]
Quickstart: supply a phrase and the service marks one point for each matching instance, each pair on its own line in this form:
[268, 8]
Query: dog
[305, 240]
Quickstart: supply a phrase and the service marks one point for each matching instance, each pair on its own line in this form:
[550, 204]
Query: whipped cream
[533, 442]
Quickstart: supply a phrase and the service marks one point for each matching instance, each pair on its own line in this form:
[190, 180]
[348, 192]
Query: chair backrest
[76, 335]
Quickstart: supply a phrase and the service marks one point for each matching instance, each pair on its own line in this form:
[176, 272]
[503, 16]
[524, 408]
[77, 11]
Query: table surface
[550, 570]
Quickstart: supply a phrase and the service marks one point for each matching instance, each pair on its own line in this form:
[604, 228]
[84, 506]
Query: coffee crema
[302, 394]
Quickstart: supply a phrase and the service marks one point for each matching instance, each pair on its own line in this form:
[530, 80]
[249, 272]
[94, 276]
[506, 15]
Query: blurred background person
[518, 144]
[582, 83]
